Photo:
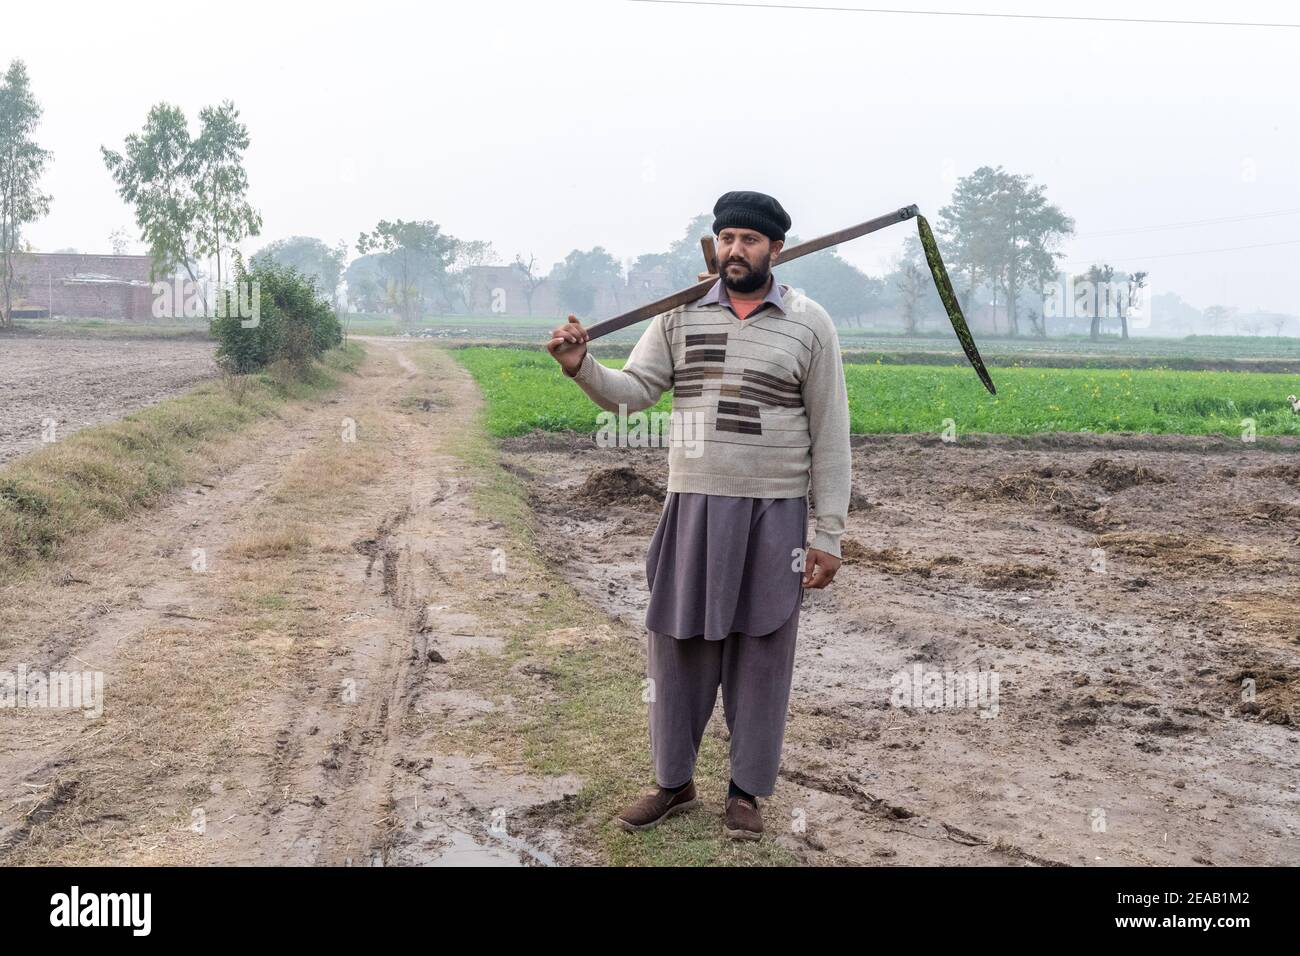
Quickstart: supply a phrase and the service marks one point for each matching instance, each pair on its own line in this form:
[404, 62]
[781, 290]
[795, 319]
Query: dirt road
[282, 647]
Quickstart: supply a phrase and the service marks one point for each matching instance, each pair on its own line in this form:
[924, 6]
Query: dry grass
[1272, 612]
[280, 538]
[1180, 550]
[105, 473]
[1031, 487]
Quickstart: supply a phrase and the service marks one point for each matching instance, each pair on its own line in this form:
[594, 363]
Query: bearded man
[758, 364]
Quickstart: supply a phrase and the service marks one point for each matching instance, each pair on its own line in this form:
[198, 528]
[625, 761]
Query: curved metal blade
[949, 299]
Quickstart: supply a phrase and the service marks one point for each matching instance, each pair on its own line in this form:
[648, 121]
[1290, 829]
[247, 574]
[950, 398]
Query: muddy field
[80, 382]
[1138, 598]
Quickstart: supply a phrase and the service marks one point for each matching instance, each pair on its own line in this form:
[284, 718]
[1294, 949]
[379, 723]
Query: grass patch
[525, 390]
[107, 472]
[112, 329]
[278, 539]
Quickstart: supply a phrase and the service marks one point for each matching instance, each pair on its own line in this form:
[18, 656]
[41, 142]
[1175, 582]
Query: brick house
[72, 285]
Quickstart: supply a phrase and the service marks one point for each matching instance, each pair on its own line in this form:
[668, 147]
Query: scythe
[932, 258]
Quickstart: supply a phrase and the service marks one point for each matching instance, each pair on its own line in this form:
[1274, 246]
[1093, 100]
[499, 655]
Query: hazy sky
[547, 126]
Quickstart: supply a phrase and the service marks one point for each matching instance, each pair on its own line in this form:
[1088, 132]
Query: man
[758, 363]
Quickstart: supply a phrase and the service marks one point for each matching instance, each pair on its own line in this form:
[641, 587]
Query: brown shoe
[743, 821]
[653, 808]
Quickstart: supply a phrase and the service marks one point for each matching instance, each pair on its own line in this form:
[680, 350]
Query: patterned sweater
[764, 397]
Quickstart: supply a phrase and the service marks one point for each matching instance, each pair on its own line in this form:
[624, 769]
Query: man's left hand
[819, 569]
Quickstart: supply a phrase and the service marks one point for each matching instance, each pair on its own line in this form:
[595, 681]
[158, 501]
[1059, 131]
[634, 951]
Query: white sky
[547, 126]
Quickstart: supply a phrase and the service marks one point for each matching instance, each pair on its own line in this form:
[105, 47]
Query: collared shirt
[717, 295]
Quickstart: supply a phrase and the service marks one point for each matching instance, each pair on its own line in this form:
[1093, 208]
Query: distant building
[72, 285]
[650, 283]
[503, 290]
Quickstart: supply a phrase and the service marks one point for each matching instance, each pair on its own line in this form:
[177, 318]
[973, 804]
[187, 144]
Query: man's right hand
[568, 346]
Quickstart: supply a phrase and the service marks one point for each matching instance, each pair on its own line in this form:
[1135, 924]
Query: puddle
[466, 851]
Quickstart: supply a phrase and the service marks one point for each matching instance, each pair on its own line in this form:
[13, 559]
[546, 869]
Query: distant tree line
[999, 235]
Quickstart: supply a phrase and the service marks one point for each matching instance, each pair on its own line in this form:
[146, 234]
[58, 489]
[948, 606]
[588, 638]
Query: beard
[750, 281]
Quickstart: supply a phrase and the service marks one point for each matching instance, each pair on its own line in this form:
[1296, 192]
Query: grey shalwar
[725, 576]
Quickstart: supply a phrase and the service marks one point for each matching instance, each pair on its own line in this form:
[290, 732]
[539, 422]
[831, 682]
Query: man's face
[745, 258]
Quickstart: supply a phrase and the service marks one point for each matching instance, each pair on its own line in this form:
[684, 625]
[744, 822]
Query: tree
[1031, 227]
[1136, 283]
[1095, 302]
[458, 278]
[531, 280]
[911, 286]
[911, 282]
[22, 162]
[221, 182]
[1003, 229]
[154, 174]
[684, 260]
[1098, 297]
[188, 192]
[311, 257]
[414, 254]
[582, 274]
[1038, 323]
[838, 286]
[1216, 314]
[966, 231]
[366, 282]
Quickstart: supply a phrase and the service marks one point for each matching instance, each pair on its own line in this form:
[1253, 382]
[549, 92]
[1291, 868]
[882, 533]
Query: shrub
[277, 317]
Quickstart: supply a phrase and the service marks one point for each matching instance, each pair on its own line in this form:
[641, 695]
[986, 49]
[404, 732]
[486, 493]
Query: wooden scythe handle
[692, 293]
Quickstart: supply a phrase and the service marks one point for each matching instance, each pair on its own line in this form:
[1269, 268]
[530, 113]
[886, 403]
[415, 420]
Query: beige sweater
[764, 398]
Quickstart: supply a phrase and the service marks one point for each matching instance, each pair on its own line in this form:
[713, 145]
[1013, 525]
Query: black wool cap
[745, 209]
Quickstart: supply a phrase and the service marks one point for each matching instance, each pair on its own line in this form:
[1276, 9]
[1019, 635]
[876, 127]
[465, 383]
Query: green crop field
[526, 390]
[902, 398]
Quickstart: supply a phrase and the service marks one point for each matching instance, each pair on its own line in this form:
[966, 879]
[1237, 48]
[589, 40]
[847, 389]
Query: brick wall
[62, 282]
